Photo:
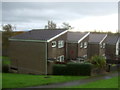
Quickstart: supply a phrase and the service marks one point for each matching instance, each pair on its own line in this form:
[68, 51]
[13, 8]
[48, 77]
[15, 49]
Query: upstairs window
[81, 45]
[60, 44]
[53, 43]
[85, 44]
[103, 45]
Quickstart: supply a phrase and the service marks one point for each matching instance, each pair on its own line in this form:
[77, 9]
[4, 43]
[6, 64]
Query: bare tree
[51, 25]
[66, 26]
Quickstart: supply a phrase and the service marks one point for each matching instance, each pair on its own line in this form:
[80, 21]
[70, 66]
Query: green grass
[107, 83]
[5, 60]
[0, 81]
[23, 80]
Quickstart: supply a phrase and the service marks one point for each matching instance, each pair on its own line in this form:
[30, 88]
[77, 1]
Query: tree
[51, 25]
[6, 33]
[66, 26]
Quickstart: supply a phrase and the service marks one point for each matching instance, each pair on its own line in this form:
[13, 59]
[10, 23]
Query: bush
[5, 68]
[72, 69]
[59, 69]
[5, 64]
[98, 61]
[78, 69]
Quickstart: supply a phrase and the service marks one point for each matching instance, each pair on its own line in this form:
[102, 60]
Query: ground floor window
[61, 58]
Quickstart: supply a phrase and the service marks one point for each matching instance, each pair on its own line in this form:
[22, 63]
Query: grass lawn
[23, 80]
[107, 83]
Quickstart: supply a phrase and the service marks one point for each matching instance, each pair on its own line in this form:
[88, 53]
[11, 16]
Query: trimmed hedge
[72, 69]
[59, 69]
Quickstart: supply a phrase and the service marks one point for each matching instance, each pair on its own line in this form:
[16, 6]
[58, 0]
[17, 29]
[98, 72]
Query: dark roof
[38, 34]
[111, 39]
[96, 38]
[75, 36]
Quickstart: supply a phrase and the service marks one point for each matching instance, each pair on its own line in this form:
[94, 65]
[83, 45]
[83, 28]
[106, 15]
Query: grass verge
[107, 83]
[10, 80]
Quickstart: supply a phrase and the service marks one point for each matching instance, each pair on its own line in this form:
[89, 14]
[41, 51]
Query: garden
[61, 73]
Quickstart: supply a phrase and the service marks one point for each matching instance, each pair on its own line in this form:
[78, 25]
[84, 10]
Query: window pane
[85, 44]
[60, 44]
[81, 45]
[53, 43]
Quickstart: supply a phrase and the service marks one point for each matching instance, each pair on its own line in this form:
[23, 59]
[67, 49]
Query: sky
[83, 16]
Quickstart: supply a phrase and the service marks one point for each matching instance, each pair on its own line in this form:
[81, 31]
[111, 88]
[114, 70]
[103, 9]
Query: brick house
[112, 46]
[76, 45]
[32, 51]
[96, 44]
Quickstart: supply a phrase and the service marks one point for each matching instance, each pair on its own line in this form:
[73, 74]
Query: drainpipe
[46, 58]
[46, 53]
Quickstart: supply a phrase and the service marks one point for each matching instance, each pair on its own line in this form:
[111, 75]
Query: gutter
[27, 40]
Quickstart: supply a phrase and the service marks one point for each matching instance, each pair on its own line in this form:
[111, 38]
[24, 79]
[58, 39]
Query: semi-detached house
[31, 51]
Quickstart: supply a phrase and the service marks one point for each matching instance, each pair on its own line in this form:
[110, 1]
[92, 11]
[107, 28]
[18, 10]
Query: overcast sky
[81, 15]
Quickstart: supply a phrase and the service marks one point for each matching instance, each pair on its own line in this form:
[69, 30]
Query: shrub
[59, 69]
[5, 64]
[98, 61]
[72, 69]
[5, 68]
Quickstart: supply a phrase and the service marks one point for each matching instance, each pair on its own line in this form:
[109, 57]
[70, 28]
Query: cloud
[38, 13]
[99, 23]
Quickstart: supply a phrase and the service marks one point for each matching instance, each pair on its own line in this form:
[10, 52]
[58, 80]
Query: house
[76, 45]
[96, 44]
[32, 52]
[112, 46]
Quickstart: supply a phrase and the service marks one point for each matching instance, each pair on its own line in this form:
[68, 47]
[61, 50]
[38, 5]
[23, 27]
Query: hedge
[59, 69]
[72, 69]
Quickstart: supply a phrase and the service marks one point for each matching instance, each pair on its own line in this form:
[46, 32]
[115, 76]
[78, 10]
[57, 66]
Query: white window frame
[104, 45]
[85, 44]
[61, 58]
[54, 45]
[117, 48]
[101, 45]
[60, 43]
[81, 45]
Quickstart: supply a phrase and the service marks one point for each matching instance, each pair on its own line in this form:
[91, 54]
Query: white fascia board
[117, 47]
[27, 40]
[57, 36]
[84, 37]
[103, 39]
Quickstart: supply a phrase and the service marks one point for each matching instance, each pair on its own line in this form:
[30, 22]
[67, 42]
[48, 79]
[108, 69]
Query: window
[53, 43]
[60, 44]
[85, 44]
[85, 56]
[103, 45]
[81, 45]
[60, 58]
